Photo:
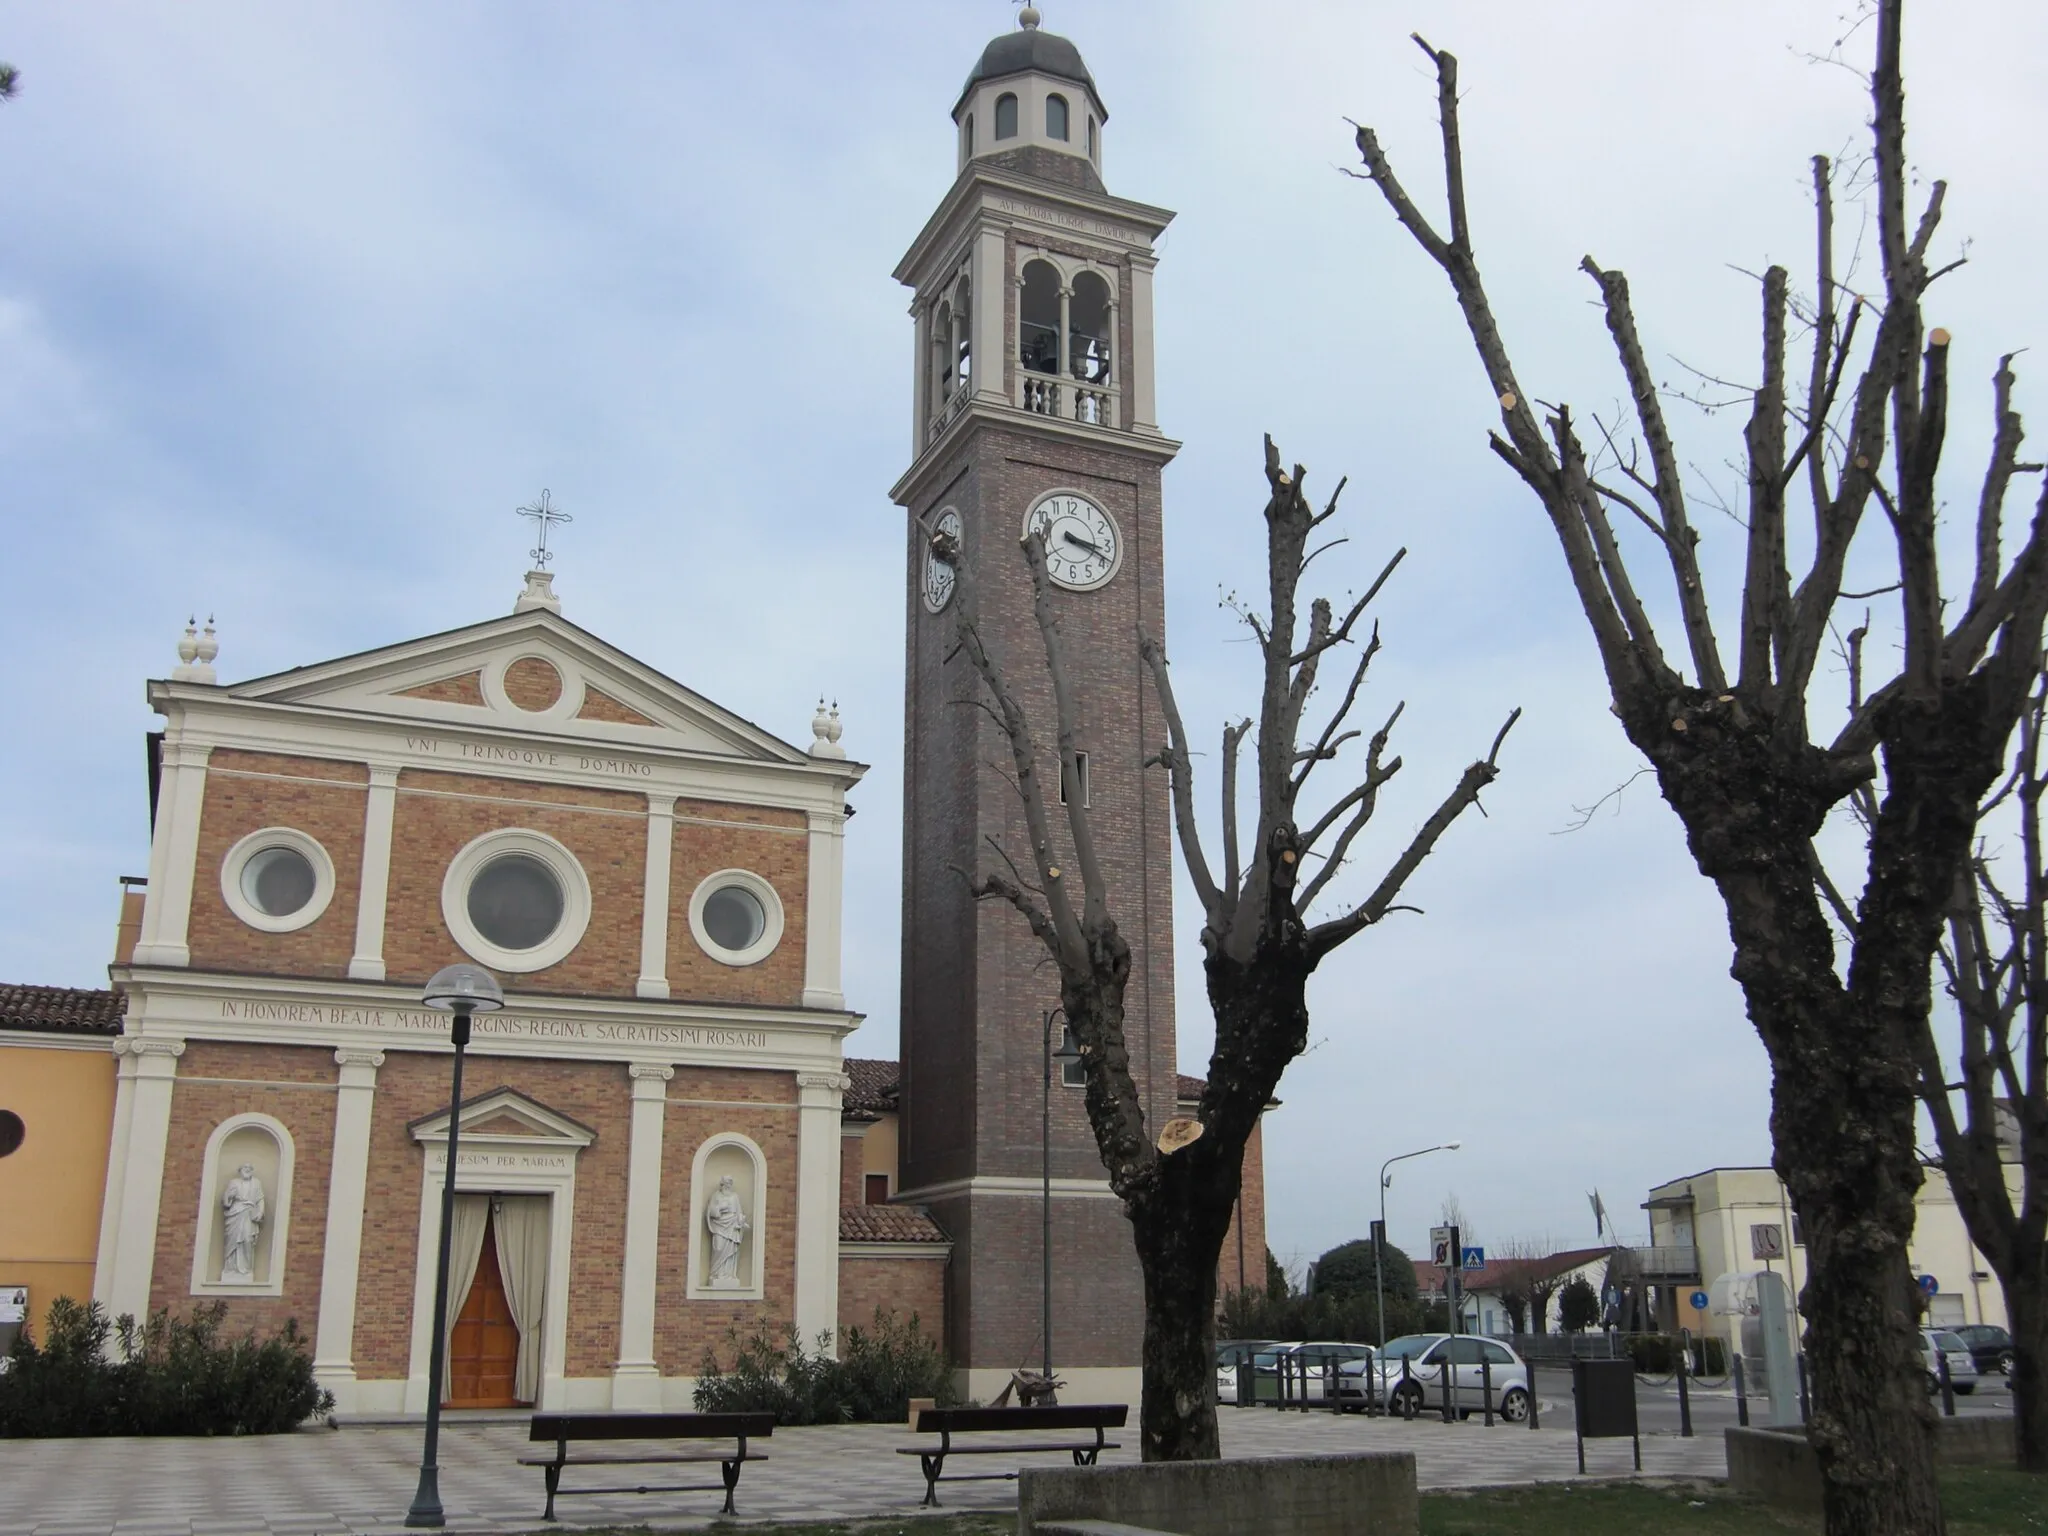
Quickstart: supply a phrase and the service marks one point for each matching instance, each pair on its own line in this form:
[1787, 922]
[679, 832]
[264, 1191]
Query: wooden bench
[948, 1422]
[566, 1429]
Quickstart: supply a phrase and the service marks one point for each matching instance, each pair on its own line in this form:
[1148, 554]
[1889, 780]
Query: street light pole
[1045, 1148]
[1379, 1281]
[461, 990]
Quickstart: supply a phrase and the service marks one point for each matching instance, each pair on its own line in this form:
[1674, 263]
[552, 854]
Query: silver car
[1408, 1377]
[1937, 1345]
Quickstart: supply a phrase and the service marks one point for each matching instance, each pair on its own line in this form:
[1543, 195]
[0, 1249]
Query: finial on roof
[195, 653]
[825, 731]
[539, 592]
[1028, 17]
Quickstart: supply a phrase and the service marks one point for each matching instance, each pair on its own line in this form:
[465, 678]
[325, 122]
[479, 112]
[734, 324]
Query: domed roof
[1028, 48]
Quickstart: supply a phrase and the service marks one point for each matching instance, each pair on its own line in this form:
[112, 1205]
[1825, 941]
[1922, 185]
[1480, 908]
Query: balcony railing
[1047, 394]
[947, 409]
[1671, 1262]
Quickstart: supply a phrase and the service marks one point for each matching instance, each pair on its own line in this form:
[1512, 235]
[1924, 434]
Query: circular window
[516, 900]
[12, 1132]
[277, 879]
[736, 917]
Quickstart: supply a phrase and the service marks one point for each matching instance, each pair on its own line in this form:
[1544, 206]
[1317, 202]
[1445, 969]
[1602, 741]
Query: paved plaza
[358, 1480]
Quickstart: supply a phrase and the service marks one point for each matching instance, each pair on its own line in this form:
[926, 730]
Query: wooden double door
[483, 1355]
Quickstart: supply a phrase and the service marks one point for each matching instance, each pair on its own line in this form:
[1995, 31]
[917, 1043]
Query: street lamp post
[1379, 1282]
[1064, 1055]
[461, 990]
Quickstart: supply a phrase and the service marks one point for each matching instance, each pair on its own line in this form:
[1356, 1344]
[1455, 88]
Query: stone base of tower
[995, 1310]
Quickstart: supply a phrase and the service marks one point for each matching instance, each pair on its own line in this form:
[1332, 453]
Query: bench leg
[731, 1469]
[1085, 1457]
[932, 1464]
[554, 1477]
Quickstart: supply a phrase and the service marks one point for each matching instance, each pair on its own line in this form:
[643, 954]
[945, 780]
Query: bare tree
[1179, 1183]
[1735, 757]
[1996, 959]
[1527, 1278]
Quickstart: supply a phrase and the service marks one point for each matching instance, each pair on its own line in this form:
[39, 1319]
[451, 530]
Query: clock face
[939, 577]
[1083, 547]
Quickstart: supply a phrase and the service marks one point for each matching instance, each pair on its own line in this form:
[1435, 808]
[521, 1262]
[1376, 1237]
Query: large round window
[278, 882]
[12, 1132]
[516, 900]
[736, 917]
[277, 879]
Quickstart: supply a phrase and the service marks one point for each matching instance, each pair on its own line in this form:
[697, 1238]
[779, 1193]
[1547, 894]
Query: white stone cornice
[1149, 443]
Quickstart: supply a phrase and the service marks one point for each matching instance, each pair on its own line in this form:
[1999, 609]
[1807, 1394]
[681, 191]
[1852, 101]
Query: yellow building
[56, 1113]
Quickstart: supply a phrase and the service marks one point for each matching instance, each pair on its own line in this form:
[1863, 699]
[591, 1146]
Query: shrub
[883, 1367]
[1657, 1354]
[167, 1376]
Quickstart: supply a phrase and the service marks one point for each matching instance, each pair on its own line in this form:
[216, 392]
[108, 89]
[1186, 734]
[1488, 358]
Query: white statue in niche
[728, 1225]
[242, 1208]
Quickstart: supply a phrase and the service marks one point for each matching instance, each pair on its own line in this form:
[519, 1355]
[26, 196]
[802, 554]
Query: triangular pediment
[532, 672]
[506, 1114]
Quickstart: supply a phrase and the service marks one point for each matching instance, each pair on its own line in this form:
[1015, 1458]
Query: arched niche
[728, 1155]
[261, 1198]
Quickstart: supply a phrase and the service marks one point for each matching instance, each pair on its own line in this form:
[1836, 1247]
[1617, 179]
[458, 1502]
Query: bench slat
[1074, 1416]
[627, 1425]
[628, 1459]
[1006, 1448]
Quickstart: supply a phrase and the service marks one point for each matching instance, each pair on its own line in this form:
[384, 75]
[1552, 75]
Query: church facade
[649, 1149]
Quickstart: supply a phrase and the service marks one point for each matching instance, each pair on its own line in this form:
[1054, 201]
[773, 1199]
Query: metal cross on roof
[545, 515]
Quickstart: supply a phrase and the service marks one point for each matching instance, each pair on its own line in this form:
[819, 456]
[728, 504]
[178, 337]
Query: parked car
[1407, 1378]
[1962, 1369]
[1990, 1347]
[1228, 1353]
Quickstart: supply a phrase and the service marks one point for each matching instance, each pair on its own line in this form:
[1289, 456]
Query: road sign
[1699, 1300]
[1929, 1285]
[1472, 1258]
[1766, 1240]
[1443, 1245]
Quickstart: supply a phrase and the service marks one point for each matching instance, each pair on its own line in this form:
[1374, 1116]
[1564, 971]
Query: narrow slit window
[1056, 118]
[1006, 116]
[877, 1189]
[1075, 784]
[967, 137]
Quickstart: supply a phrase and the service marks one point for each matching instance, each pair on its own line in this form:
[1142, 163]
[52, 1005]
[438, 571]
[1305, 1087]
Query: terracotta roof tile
[888, 1224]
[61, 1010]
[874, 1085]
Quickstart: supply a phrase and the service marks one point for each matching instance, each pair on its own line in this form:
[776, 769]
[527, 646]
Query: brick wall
[533, 683]
[437, 814]
[730, 841]
[411, 1085]
[852, 1184]
[293, 1085]
[909, 1287]
[683, 1328]
[1250, 1215]
[246, 791]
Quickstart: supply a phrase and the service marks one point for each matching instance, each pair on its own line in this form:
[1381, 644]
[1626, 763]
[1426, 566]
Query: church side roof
[61, 1010]
[875, 1085]
[888, 1224]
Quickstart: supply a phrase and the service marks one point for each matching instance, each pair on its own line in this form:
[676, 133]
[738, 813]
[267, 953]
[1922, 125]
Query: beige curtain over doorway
[465, 1252]
[522, 1232]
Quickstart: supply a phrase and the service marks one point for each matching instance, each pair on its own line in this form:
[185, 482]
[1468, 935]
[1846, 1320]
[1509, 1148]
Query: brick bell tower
[1033, 405]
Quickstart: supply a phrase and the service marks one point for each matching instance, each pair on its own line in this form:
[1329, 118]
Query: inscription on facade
[423, 1021]
[526, 757]
[502, 1162]
[1067, 219]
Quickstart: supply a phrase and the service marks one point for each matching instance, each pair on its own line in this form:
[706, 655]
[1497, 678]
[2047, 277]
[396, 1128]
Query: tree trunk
[1178, 1415]
[2026, 1305]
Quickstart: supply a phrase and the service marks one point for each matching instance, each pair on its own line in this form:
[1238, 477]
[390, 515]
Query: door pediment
[506, 1115]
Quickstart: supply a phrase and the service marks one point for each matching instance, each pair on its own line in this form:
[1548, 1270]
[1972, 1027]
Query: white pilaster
[1138, 366]
[990, 344]
[822, 988]
[348, 1183]
[636, 1379]
[117, 1174]
[167, 908]
[817, 1203]
[382, 801]
[924, 375]
[149, 1133]
[661, 839]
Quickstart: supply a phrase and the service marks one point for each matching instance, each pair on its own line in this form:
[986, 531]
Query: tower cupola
[1030, 90]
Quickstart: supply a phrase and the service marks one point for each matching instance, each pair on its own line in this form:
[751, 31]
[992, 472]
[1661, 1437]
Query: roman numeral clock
[1033, 413]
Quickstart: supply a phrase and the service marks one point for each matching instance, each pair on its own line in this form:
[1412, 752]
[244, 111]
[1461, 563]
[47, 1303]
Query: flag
[1599, 1214]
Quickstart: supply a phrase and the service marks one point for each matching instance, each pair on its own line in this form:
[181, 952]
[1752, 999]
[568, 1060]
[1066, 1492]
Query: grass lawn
[1978, 1503]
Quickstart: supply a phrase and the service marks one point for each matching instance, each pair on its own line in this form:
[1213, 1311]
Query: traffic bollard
[1741, 1395]
[1684, 1395]
[1486, 1382]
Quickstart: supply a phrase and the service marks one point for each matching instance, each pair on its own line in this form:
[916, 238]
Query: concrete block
[1779, 1466]
[1365, 1495]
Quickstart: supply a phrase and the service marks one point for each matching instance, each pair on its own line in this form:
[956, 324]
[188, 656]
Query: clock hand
[1093, 549]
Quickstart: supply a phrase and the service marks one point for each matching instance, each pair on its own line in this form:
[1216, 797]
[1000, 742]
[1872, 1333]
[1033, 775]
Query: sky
[297, 304]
